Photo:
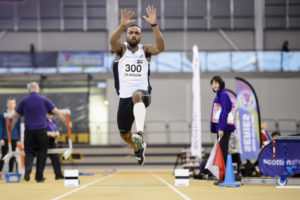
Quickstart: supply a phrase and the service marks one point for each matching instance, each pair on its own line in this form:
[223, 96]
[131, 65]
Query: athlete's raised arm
[159, 45]
[115, 42]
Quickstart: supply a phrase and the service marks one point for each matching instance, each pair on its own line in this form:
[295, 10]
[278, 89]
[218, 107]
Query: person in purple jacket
[34, 109]
[220, 122]
[53, 133]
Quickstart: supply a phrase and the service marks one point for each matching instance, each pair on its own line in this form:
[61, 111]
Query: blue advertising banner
[46, 59]
[275, 167]
[9, 60]
[80, 59]
[28, 60]
[247, 120]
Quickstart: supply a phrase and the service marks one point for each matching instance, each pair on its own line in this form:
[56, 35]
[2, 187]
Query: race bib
[217, 112]
[133, 68]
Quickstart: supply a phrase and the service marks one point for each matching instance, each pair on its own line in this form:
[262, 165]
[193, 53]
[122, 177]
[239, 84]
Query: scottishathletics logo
[280, 162]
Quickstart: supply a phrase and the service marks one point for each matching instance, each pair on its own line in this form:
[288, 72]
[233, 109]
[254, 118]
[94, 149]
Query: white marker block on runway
[71, 177]
[181, 177]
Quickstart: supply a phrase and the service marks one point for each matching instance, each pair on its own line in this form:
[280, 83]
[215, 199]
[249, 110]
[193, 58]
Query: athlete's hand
[151, 11]
[126, 17]
[2, 142]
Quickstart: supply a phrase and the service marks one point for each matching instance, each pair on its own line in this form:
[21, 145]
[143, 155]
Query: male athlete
[131, 72]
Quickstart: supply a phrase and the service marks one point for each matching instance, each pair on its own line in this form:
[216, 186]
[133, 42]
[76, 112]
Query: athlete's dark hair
[131, 25]
[219, 80]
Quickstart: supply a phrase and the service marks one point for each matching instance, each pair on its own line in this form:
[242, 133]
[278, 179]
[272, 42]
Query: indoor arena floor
[137, 185]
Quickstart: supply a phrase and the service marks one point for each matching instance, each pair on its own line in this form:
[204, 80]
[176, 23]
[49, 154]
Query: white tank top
[131, 73]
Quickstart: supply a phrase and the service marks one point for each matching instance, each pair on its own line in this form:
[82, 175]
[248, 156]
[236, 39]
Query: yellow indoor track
[137, 186]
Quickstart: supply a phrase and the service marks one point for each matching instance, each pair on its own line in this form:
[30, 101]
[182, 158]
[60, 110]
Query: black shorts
[125, 116]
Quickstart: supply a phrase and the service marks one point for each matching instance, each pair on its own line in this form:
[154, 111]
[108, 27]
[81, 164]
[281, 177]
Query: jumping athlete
[131, 72]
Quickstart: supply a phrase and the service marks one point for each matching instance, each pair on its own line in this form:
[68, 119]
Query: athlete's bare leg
[127, 138]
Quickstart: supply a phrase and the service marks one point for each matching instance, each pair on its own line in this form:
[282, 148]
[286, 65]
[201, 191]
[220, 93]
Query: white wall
[54, 41]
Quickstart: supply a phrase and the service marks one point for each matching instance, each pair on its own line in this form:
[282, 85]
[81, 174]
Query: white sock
[139, 112]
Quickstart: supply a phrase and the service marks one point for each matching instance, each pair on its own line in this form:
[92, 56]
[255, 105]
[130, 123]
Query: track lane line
[173, 188]
[82, 187]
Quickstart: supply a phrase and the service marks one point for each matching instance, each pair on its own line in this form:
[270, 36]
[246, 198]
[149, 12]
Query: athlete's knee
[137, 97]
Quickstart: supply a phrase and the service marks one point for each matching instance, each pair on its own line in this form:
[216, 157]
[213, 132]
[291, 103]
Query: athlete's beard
[133, 43]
